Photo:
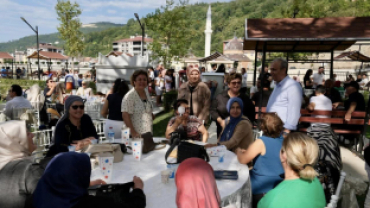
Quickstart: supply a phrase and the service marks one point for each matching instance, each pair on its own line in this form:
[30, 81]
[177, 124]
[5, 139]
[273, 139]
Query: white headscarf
[13, 142]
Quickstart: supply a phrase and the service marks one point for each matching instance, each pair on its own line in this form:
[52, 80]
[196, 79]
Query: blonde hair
[302, 152]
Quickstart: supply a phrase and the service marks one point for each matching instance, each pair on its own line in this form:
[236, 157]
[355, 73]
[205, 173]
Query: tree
[169, 23]
[69, 27]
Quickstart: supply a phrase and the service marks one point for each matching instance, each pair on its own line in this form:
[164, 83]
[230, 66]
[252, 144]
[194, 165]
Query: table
[164, 195]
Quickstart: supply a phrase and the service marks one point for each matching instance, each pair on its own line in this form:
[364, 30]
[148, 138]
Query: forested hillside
[29, 41]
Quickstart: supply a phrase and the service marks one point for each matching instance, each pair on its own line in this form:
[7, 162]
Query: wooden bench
[336, 117]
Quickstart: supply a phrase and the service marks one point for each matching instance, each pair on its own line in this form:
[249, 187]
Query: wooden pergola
[310, 35]
[47, 56]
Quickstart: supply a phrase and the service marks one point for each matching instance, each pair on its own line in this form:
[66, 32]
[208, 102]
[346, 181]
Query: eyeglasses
[78, 106]
[235, 83]
[51, 81]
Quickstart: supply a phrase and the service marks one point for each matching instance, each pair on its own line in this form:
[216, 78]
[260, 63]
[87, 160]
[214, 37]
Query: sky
[42, 13]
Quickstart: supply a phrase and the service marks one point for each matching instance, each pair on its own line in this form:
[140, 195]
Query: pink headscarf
[196, 185]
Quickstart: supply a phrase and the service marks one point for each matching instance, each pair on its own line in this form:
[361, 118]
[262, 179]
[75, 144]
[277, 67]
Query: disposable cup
[137, 145]
[106, 167]
[165, 174]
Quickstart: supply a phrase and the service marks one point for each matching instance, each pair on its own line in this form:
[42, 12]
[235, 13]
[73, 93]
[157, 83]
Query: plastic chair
[99, 126]
[43, 141]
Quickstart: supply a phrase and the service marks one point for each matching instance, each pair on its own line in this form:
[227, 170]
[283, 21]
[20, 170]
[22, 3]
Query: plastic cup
[126, 137]
[137, 145]
[106, 167]
[221, 156]
[165, 176]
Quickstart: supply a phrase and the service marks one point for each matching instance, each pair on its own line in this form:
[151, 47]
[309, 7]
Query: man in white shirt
[364, 81]
[84, 91]
[18, 101]
[320, 102]
[319, 78]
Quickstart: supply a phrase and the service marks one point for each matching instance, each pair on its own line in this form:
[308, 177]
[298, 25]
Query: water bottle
[111, 135]
[170, 168]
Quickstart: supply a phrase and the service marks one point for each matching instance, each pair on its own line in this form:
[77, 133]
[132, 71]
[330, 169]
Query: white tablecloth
[159, 195]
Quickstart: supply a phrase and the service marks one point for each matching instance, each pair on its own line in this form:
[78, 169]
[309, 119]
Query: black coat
[218, 108]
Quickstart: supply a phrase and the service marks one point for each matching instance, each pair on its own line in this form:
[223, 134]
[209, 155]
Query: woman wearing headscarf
[65, 182]
[18, 173]
[218, 109]
[196, 185]
[237, 129]
[75, 129]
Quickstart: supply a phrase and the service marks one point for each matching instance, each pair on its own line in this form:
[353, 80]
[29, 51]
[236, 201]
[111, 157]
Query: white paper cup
[165, 174]
[106, 167]
[137, 145]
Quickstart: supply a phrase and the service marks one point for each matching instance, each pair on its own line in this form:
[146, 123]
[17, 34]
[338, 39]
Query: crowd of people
[287, 168]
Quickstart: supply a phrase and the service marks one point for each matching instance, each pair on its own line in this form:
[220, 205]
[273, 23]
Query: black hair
[213, 65]
[321, 89]
[150, 67]
[116, 85]
[221, 68]
[67, 71]
[178, 102]
[123, 88]
[308, 74]
[17, 89]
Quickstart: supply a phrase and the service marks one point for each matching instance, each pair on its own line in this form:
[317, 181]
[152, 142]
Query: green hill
[229, 19]
[29, 41]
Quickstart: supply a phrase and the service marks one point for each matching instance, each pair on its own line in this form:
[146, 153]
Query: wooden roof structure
[48, 55]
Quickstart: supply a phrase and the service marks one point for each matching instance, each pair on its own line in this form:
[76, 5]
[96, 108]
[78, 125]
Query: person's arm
[204, 114]
[308, 83]
[8, 109]
[213, 109]
[172, 126]
[294, 108]
[128, 122]
[50, 92]
[350, 110]
[246, 156]
[335, 105]
[311, 106]
[104, 110]
[202, 129]
[242, 131]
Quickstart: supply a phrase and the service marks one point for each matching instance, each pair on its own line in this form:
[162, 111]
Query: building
[5, 58]
[132, 45]
[48, 47]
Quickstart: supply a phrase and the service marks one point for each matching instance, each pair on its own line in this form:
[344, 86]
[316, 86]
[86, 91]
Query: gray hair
[283, 63]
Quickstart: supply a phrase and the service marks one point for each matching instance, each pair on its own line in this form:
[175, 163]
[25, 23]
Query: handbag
[185, 149]
[149, 144]
[119, 193]
[100, 150]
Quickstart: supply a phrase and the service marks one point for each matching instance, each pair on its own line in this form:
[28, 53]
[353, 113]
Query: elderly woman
[112, 109]
[75, 129]
[218, 108]
[264, 152]
[191, 124]
[65, 183]
[237, 129]
[197, 94]
[137, 107]
[84, 91]
[300, 187]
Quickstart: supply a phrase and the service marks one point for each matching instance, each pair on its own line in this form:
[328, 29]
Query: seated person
[196, 185]
[18, 173]
[300, 187]
[237, 129]
[194, 126]
[74, 128]
[65, 183]
[330, 162]
[84, 90]
[264, 152]
[265, 95]
[355, 101]
[18, 101]
[332, 93]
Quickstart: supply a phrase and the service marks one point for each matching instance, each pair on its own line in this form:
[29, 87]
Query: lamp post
[142, 34]
[37, 39]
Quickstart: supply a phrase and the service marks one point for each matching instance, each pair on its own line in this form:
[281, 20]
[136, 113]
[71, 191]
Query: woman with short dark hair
[137, 107]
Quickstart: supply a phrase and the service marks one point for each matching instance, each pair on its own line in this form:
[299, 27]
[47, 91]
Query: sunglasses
[78, 106]
[235, 83]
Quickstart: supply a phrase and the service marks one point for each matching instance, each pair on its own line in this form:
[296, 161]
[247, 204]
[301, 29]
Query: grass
[160, 123]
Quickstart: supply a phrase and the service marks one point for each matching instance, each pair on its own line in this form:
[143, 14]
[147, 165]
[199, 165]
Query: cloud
[111, 11]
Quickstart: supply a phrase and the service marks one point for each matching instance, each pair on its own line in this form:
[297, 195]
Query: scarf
[13, 142]
[64, 182]
[196, 185]
[229, 129]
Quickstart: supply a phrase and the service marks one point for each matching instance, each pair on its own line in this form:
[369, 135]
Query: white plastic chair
[42, 140]
[334, 198]
[99, 126]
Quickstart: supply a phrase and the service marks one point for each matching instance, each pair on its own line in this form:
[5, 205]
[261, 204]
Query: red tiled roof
[5, 55]
[137, 38]
[48, 55]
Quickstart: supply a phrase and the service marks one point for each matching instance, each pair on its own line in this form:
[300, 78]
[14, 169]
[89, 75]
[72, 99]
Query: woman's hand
[80, 144]
[179, 119]
[134, 134]
[138, 183]
[97, 182]
[221, 122]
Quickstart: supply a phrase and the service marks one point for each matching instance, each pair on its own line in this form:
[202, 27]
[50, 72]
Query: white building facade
[132, 45]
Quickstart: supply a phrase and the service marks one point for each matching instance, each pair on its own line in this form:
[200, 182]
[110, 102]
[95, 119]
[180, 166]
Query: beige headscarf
[13, 142]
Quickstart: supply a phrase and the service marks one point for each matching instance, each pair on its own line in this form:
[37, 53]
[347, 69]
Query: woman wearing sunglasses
[75, 129]
[218, 109]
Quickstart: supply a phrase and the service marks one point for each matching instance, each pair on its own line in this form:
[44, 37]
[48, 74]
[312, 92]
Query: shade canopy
[352, 55]
[305, 34]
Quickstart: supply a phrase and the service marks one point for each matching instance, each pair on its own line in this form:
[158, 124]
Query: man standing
[364, 81]
[286, 99]
[18, 72]
[244, 81]
[214, 67]
[18, 101]
[197, 94]
[319, 78]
